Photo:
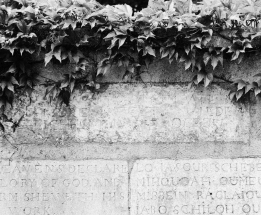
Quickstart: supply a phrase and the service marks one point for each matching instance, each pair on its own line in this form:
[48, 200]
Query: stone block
[207, 186]
[139, 113]
[134, 113]
[45, 187]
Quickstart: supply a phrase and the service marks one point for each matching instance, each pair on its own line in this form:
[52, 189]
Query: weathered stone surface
[224, 186]
[134, 113]
[130, 151]
[160, 71]
[64, 187]
[129, 113]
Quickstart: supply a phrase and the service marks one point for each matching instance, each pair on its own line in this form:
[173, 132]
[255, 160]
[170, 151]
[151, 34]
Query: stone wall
[145, 147]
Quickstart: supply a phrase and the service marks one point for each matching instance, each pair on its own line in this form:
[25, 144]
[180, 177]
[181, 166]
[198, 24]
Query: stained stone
[132, 114]
[64, 188]
[208, 186]
[135, 114]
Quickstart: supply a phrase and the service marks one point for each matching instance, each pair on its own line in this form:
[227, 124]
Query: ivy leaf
[23, 27]
[64, 84]
[171, 53]
[68, 23]
[180, 26]
[240, 58]
[103, 67]
[241, 84]
[12, 69]
[206, 58]
[14, 81]
[57, 54]
[257, 91]
[249, 87]
[124, 9]
[43, 43]
[198, 45]
[208, 79]
[110, 35]
[235, 55]
[122, 41]
[130, 68]
[200, 77]
[239, 94]
[187, 49]
[72, 84]
[232, 95]
[214, 61]
[206, 40]
[119, 32]
[48, 57]
[113, 42]
[187, 64]
[157, 4]
[164, 52]
[150, 51]
[29, 83]
[76, 56]
[210, 31]
[220, 58]
[3, 85]
[10, 87]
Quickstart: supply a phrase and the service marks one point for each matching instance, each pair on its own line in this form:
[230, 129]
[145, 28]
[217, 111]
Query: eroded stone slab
[198, 187]
[135, 113]
[64, 188]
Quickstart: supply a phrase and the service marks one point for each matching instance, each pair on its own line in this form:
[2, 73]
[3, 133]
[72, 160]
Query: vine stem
[47, 78]
[223, 79]
[222, 36]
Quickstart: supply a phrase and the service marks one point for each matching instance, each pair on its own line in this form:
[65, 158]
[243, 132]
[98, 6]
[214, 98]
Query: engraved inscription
[196, 187]
[162, 115]
[64, 188]
[134, 113]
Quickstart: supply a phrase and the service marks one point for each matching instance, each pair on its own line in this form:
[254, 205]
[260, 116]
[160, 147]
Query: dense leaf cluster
[75, 31]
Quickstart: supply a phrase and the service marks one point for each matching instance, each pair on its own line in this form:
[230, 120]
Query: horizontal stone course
[206, 186]
[94, 187]
[142, 187]
[135, 114]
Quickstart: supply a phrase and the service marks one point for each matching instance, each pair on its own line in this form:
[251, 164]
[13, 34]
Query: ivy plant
[74, 31]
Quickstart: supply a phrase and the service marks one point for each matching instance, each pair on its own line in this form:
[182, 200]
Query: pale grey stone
[93, 187]
[206, 186]
[135, 113]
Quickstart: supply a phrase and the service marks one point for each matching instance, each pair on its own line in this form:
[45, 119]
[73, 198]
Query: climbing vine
[76, 32]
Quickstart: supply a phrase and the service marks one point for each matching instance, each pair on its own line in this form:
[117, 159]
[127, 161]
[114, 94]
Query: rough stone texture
[135, 113]
[160, 71]
[40, 187]
[160, 114]
[206, 186]
[158, 119]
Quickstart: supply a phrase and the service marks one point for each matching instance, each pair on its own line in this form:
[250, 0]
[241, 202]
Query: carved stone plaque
[157, 114]
[135, 113]
[64, 188]
[196, 187]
